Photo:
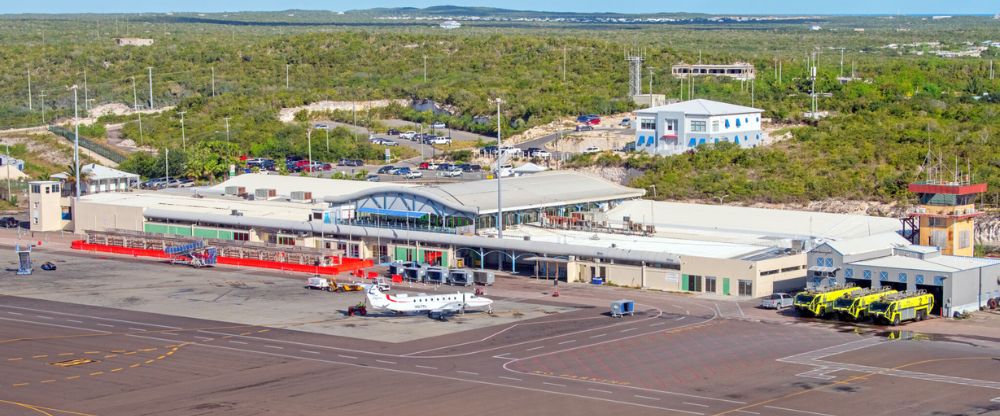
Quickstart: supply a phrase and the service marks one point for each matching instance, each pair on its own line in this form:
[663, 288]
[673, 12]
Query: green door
[684, 282]
[725, 286]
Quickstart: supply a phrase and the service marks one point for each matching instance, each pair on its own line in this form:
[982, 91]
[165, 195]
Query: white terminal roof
[869, 244]
[285, 185]
[677, 246]
[944, 264]
[534, 191]
[749, 225]
[702, 107]
[97, 172]
[278, 210]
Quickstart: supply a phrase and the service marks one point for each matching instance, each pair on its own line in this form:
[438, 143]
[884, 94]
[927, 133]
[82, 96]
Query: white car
[441, 140]
[389, 143]
[414, 174]
[375, 140]
[592, 149]
[439, 125]
[454, 173]
[544, 154]
[408, 135]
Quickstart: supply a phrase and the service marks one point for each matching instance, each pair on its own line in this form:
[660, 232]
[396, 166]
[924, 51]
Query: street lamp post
[499, 175]
[76, 141]
[183, 135]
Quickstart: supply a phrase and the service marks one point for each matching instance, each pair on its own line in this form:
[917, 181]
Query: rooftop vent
[236, 213]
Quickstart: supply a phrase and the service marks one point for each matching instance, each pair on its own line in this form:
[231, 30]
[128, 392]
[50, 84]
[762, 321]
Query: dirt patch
[568, 123]
[43, 149]
[287, 115]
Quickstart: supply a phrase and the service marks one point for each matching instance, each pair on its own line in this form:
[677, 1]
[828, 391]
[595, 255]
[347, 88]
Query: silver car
[777, 301]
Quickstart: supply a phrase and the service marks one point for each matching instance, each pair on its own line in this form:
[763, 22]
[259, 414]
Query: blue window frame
[693, 142]
[902, 277]
[848, 273]
[727, 123]
[867, 274]
[819, 261]
[883, 276]
[642, 139]
[701, 140]
[918, 279]
[829, 262]
[939, 280]
[738, 122]
[736, 139]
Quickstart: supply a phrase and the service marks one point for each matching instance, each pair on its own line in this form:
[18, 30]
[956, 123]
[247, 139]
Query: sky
[634, 6]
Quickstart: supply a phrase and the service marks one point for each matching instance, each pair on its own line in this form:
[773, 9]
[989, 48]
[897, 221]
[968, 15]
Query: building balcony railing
[400, 225]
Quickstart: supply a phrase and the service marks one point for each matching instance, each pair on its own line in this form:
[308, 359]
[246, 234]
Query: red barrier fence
[347, 264]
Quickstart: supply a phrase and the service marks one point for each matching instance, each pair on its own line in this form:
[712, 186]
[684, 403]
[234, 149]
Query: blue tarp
[392, 212]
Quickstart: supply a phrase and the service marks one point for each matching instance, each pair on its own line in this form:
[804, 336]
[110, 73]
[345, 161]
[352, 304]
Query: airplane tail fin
[376, 297]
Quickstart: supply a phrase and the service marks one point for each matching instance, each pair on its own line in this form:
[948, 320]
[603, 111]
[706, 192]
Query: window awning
[822, 269]
[392, 212]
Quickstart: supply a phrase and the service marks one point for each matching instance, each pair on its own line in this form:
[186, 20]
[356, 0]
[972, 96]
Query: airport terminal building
[557, 225]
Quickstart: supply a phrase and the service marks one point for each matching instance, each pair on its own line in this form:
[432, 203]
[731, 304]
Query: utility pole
[76, 141]
[41, 96]
[9, 195]
[425, 68]
[564, 64]
[286, 76]
[309, 143]
[651, 86]
[500, 155]
[213, 81]
[991, 69]
[227, 129]
[29, 89]
[166, 163]
[779, 72]
[151, 106]
[753, 91]
[183, 136]
[813, 73]
[135, 97]
[86, 92]
[140, 128]
[328, 139]
[841, 62]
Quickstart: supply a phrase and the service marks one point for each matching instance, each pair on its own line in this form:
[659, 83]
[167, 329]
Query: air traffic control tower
[946, 214]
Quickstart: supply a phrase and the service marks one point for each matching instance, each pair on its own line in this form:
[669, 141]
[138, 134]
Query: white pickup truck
[777, 301]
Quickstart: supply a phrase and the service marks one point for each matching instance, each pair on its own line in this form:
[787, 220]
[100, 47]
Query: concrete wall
[963, 289]
[99, 217]
[724, 270]
[790, 276]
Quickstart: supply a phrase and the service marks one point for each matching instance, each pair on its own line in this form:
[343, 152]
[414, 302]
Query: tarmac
[679, 355]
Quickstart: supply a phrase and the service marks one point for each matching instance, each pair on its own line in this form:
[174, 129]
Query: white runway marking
[74, 321]
[645, 397]
[798, 411]
[535, 348]
[238, 342]
[45, 317]
[203, 338]
[598, 335]
[629, 329]
[601, 391]
[140, 329]
[385, 362]
[659, 324]
[309, 352]
[15, 313]
[109, 326]
[747, 411]
[275, 347]
[426, 366]
[471, 373]
[680, 319]
[347, 357]
[695, 404]
[554, 384]
[509, 378]
[567, 342]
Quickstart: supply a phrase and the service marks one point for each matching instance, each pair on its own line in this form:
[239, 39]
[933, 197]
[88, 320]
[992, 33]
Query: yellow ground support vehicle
[854, 305]
[901, 307]
[820, 302]
[330, 284]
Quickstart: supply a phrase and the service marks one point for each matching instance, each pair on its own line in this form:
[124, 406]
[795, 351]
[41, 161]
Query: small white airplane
[438, 304]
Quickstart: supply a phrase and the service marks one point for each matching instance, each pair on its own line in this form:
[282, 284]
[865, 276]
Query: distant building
[738, 70]
[450, 24]
[6, 160]
[676, 128]
[940, 17]
[97, 179]
[133, 41]
[815, 27]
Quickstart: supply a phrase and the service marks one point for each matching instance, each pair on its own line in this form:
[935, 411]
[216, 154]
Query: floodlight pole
[29, 89]
[227, 129]
[151, 106]
[86, 91]
[499, 175]
[309, 143]
[76, 140]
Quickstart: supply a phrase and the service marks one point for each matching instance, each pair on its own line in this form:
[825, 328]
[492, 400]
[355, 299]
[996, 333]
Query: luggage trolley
[622, 307]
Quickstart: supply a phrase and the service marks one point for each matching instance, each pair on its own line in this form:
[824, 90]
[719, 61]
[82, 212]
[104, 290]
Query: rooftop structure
[98, 178]
[679, 127]
[738, 70]
[450, 24]
[285, 185]
[946, 214]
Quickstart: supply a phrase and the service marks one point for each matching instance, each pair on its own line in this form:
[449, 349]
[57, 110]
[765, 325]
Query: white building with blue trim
[679, 127]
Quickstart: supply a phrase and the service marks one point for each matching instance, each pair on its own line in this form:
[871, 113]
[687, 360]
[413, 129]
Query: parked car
[445, 166]
[777, 301]
[428, 165]
[8, 222]
[400, 171]
[453, 173]
[387, 142]
[541, 153]
[441, 140]
[625, 122]
[439, 125]
[261, 163]
[413, 174]
[591, 119]
[410, 135]
[350, 162]
[470, 168]
[592, 149]
[375, 140]
[385, 169]
[629, 147]
[372, 178]
[392, 132]
[321, 126]
[488, 150]
[584, 127]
